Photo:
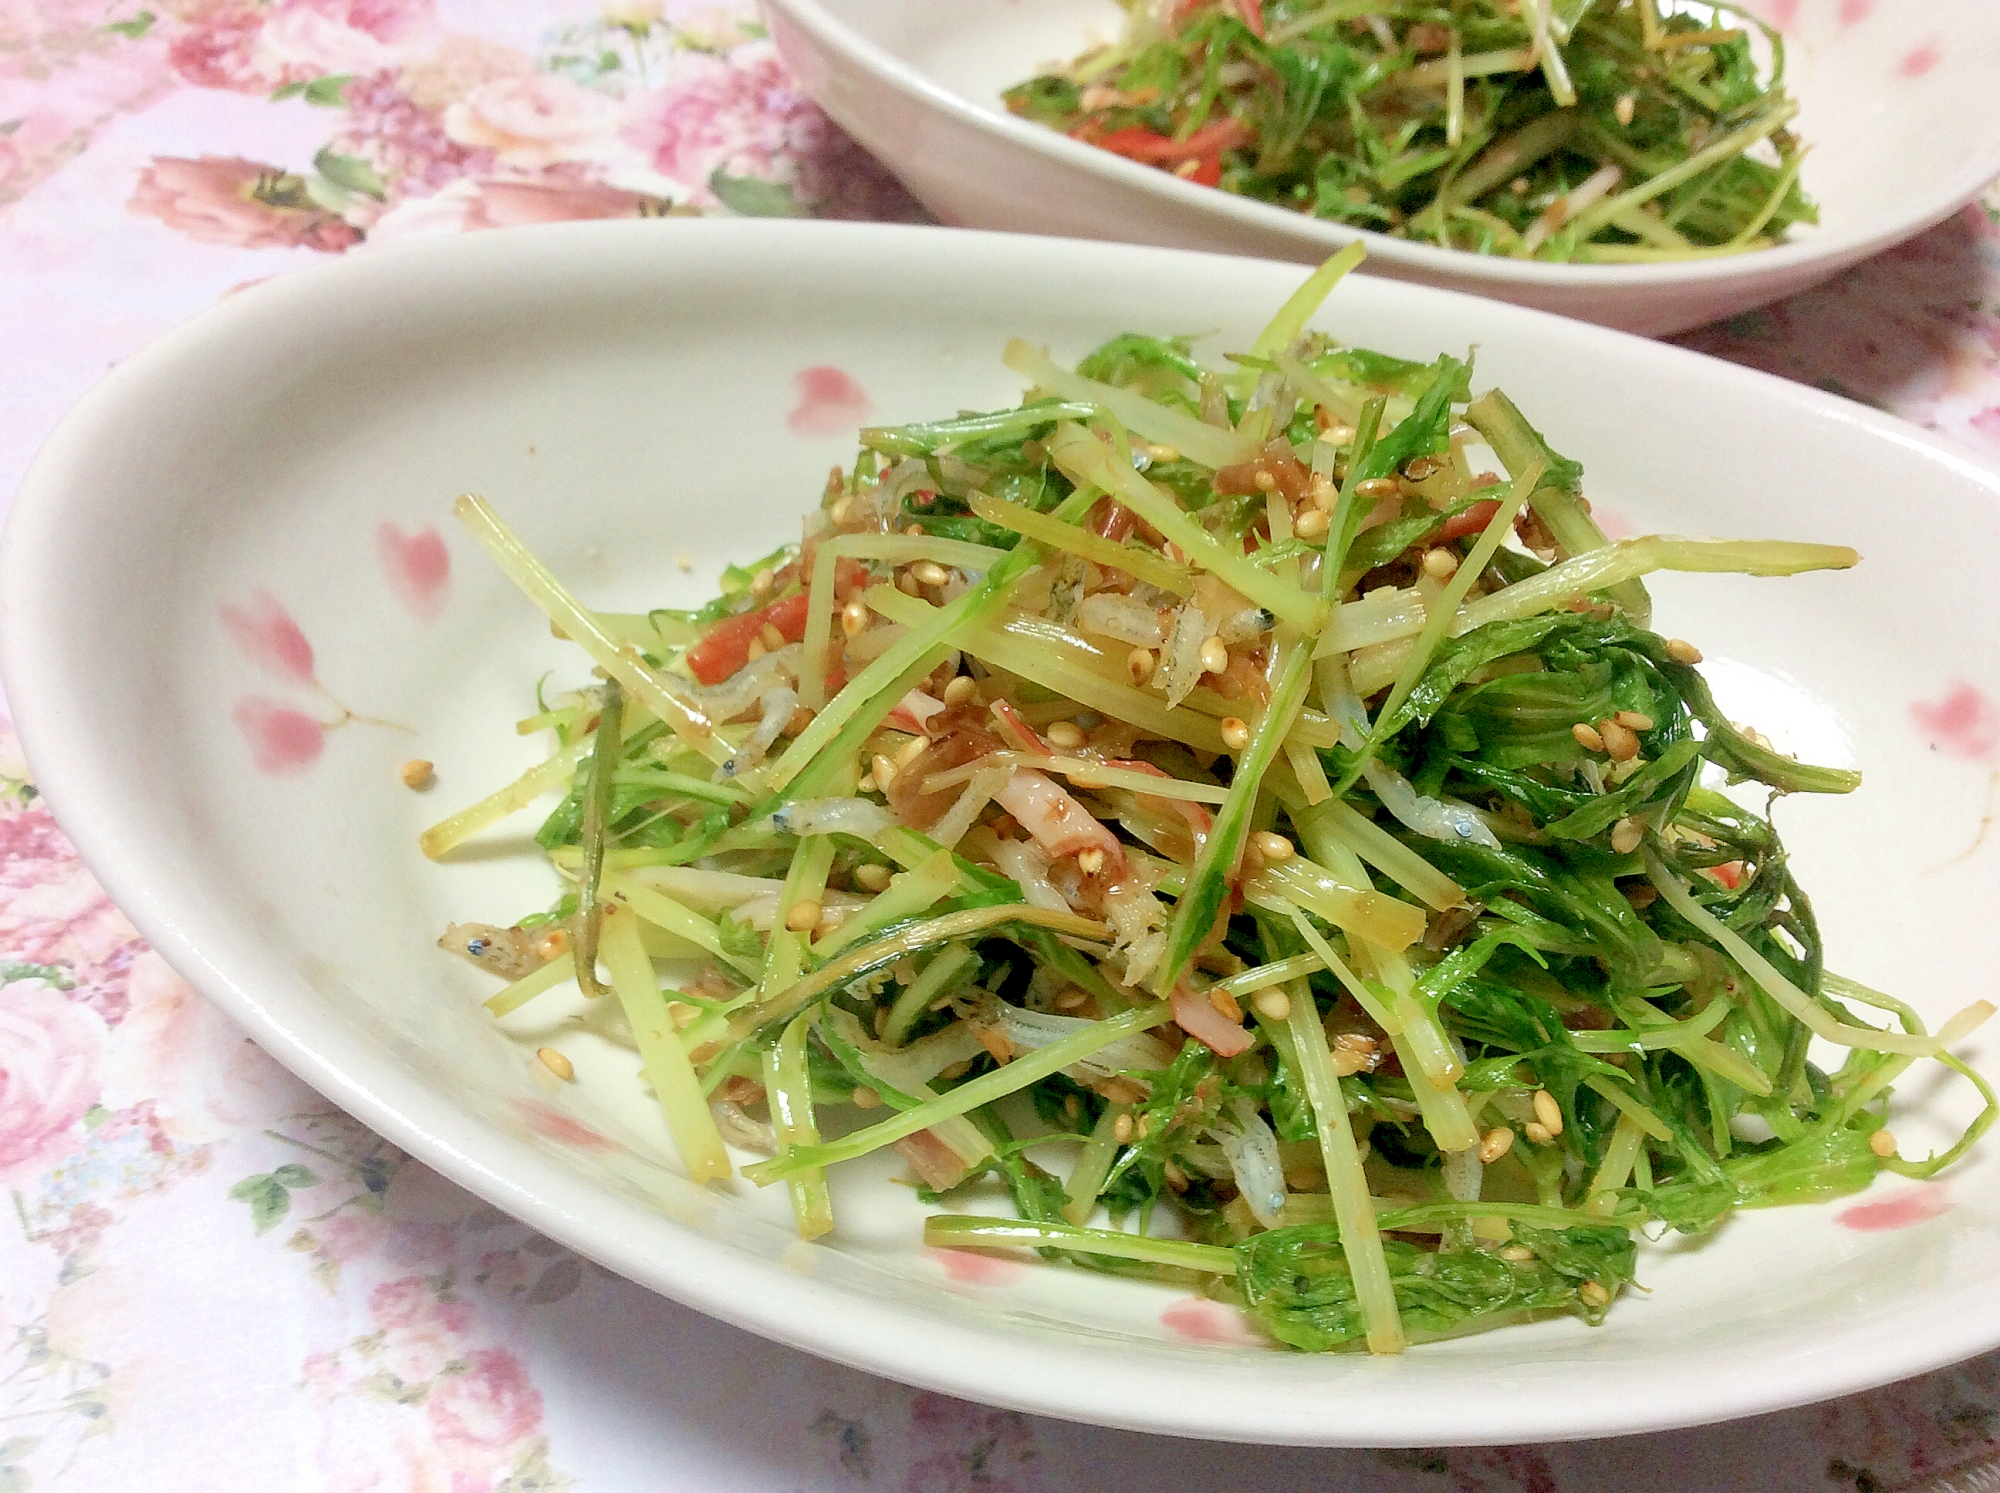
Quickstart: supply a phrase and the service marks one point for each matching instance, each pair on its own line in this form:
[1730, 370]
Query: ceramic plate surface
[236, 603]
[1895, 101]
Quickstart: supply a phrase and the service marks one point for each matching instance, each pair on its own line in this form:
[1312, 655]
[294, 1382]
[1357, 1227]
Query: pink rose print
[282, 740]
[491, 1404]
[220, 51]
[215, 200]
[468, 206]
[741, 117]
[1964, 723]
[830, 403]
[266, 634]
[418, 567]
[49, 1049]
[1853, 12]
[533, 122]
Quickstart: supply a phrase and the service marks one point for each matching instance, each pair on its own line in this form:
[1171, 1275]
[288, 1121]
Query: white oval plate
[246, 531]
[1895, 101]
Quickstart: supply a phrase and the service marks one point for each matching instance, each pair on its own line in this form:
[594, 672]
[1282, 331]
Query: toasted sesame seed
[770, 637]
[803, 917]
[1627, 833]
[907, 583]
[913, 531]
[1587, 737]
[871, 877]
[1378, 487]
[883, 770]
[867, 783]
[853, 618]
[910, 750]
[756, 650]
[1273, 846]
[1312, 523]
[1090, 861]
[842, 512]
[417, 773]
[1548, 1112]
[1518, 186]
[1235, 733]
[1590, 1293]
[961, 689]
[1140, 663]
[1324, 494]
[1186, 170]
[930, 573]
[1496, 1143]
[1339, 435]
[1681, 651]
[1517, 1254]
[1214, 655]
[801, 717]
[867, 1098]
[1175, 1177]
[1071, 998]
[552, 944]
[1883, 1144]
[1162, 453]
[1065, 734]
[1121, 1129]
[1440, 564]
[762, 581]
[556, 1063]
[1537, 1132]
[829, 920]
[1621, 743]
[1636, 720]
[1625, 108]
[1265, 481]
[1225, 1005]
[684, 560]
[1272, 1003]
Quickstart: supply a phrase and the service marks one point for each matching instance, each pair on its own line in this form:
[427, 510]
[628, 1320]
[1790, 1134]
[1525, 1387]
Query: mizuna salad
[1553, 129]
[1242, 810]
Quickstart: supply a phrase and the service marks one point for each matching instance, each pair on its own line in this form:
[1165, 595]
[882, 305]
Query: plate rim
[1032, 1370]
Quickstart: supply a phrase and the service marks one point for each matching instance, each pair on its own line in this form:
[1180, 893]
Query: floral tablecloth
[209, 1277]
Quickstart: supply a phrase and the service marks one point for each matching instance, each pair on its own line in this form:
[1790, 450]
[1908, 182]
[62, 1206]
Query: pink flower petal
[1902, 1210]
[970, 1267]
[265, 634]
[282, 740]
[830, 403]
[418, 567]
[1964, 723]
[1921, 60]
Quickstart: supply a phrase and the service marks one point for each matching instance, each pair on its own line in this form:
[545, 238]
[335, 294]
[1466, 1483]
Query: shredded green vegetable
[1264, 838]
[1569, 130]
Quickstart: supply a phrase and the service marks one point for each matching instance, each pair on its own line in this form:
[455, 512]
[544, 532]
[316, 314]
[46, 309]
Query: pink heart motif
[830, 402]
[418, 568]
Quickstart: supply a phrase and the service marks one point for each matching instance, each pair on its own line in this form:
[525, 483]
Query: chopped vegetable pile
[1593, 131]
[1241, 811]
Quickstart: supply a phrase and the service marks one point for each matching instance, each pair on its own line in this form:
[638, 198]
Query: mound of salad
[1243, 811]
[1586, 131]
